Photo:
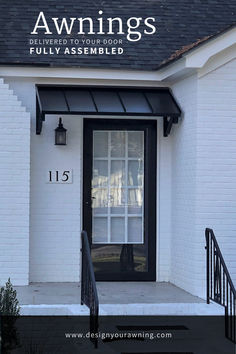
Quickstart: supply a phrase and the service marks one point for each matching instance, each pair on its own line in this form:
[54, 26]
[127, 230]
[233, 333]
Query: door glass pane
[117, 187]
[135, 201]
[117, 177]
[100, 140]
[135, 144]
[117, 144]
[135, 173]
[118, 230]
[99, 200]
[135, 230]
[100, 173]
[117, 201]
[99, 229]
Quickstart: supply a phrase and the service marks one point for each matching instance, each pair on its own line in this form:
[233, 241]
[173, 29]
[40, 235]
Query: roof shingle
[181, 25]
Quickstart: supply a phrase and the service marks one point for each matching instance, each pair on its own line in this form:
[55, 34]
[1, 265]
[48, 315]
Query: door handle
[88, 203]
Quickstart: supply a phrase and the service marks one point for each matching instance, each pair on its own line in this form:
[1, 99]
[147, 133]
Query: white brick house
[195, 175]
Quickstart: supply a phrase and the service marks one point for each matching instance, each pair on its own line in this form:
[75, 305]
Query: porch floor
[108, 293]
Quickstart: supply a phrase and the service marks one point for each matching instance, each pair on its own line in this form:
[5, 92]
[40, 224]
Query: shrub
[9, 312]
[9, 305]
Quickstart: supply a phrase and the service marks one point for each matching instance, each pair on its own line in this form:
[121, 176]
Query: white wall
[216, 155]
[196, 186]
[55, 208]
[55, 215]
[204, 175]
[164, 193]
[14, 188]
[184, 140]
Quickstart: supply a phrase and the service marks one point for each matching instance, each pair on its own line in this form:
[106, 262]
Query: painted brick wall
[14, 188]
[184, 140]
[204, 175]
[196, 185]
[164, 193]
[216, 155]
[55, 209]
[54, 236]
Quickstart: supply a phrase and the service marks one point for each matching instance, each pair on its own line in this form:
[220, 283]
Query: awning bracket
[40, 116]
[167, 124]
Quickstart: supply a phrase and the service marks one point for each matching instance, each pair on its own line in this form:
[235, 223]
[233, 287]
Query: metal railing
[89, 294]
[220, 287]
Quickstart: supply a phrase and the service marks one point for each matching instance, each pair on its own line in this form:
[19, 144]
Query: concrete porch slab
[48, 293]
[143, 292]
[108, 293]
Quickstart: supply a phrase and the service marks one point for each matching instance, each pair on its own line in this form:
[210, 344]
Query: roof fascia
[135, 76]
[79, 73]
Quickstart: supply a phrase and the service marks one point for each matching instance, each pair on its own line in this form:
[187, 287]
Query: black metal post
[224, 293]
[207, 265]
[89, 294]
[82, 272]
[226, 322]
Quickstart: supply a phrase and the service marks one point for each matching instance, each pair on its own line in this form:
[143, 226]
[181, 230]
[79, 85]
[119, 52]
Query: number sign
[59, 176]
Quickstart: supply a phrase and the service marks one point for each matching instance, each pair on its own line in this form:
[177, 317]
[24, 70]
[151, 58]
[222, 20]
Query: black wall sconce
[60, 134]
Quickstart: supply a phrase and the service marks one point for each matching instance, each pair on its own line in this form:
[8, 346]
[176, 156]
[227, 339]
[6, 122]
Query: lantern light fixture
[60, 134]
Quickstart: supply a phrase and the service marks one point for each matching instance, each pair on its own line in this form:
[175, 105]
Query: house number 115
[59, 176]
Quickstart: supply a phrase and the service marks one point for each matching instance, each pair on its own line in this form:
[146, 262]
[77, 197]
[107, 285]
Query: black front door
[119, 197]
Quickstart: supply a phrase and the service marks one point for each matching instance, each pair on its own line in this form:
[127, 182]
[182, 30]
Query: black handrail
[220, 287]
[89, 294]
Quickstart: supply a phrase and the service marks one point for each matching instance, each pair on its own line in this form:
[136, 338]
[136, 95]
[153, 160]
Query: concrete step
[164, 309]
[54, 310]
[174, 309]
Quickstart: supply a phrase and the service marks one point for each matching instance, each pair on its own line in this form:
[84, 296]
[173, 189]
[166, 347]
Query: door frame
[150, 184]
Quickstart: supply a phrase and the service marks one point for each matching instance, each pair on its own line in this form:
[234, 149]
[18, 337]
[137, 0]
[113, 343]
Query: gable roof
[181, 26]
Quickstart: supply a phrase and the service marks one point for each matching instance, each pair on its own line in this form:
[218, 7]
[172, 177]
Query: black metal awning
[155, 102]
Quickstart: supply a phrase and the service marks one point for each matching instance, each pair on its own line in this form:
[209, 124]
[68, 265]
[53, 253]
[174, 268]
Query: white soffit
[218, 60]
[198, 57]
